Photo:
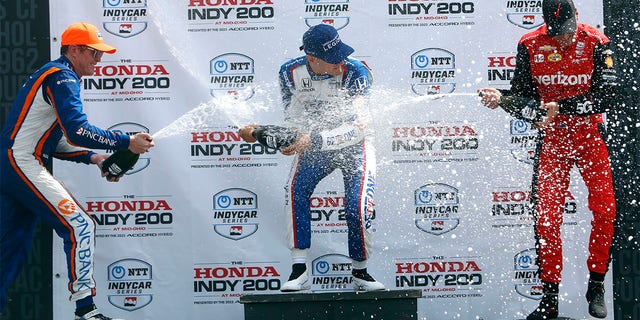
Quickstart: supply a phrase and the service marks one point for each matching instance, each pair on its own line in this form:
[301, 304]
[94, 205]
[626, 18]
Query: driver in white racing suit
[324, 96]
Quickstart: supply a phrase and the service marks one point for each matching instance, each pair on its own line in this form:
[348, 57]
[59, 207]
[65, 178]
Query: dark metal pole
[24, 47]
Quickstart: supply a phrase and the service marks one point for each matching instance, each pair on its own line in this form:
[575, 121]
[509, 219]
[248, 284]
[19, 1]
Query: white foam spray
[239, 111]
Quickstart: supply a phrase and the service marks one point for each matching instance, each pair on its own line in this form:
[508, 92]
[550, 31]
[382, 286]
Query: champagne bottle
[525, 108]
[275, 136]
[119, 163]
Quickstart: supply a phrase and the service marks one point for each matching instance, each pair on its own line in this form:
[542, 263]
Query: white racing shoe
[93, 314]
[363, 281]
[298, 280]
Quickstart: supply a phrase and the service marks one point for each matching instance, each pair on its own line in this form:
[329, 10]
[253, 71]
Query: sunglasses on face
[97, 54]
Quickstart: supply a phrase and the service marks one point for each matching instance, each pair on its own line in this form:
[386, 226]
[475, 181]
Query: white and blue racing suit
[326, 107]
[45, 121]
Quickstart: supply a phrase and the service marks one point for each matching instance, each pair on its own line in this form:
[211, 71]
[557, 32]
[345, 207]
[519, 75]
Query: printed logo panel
[232, 74]
[524, 14]
[526, 274]
[433, 71]
[235, 213]
[148, 216]
[331, 272]
[125, 18]
[332, 12]
[442, 277]
[224, 282]
[436, 208]
[431, 14]
[130, 284]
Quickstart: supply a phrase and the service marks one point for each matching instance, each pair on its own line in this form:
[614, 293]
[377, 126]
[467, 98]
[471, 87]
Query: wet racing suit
[45, 121]
[582, 79]
[326, 108]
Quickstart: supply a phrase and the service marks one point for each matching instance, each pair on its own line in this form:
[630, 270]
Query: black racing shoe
[91, 313]
[595, 297]
[547, 309]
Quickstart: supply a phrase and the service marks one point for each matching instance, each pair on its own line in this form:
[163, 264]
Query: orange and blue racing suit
[45, 121]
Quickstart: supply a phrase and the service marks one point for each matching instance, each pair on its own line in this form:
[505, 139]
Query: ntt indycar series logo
[332, 12]
[124, 18]
[526, 275]
[235, 213]
[131, 128]
[525, 14]
[232, 74]
[331, 272]
[437, 208]
[433, 71]
[523, 141]
[130, 284]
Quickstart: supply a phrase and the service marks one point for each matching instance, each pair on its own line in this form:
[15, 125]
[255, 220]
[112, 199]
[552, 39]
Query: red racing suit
[581, 77]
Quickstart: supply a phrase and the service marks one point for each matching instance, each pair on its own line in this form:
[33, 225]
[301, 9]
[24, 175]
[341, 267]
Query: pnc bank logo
[66, 207]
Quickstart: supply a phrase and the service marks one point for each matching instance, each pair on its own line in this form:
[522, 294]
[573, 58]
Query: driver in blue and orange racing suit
[324, 96]
[568, 69]
[46, 121]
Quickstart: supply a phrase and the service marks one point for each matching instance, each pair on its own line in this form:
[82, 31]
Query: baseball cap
[560, 16]
[322, 41]
[85, 34]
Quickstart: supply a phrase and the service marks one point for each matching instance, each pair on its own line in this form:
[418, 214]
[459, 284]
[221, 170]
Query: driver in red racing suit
[566, 68]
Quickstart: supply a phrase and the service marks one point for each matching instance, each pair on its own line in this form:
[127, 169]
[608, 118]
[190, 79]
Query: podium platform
[378, 305]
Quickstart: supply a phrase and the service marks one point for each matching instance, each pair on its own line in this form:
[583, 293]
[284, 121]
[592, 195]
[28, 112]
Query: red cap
[85, 34]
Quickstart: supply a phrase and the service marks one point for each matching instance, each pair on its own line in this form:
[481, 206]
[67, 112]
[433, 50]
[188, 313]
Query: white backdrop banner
[199, 221]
